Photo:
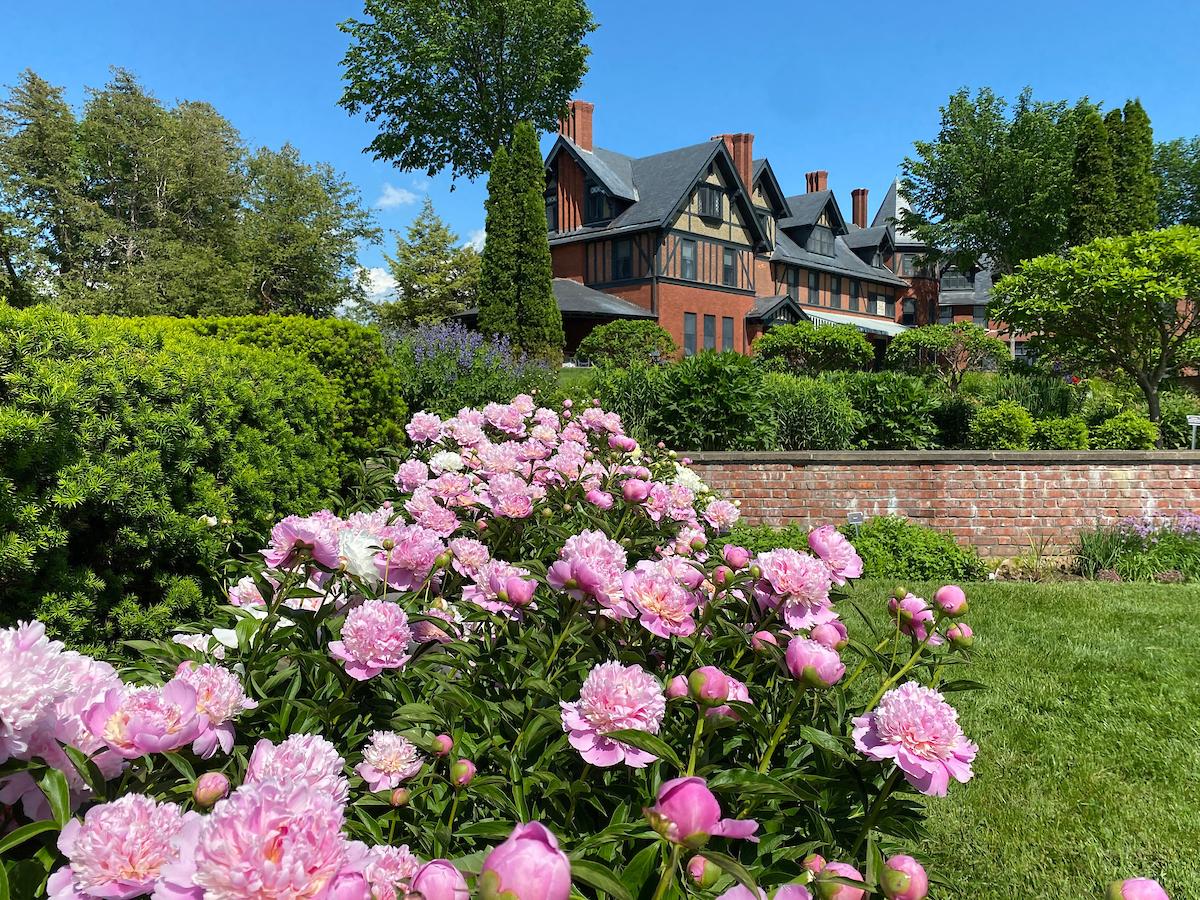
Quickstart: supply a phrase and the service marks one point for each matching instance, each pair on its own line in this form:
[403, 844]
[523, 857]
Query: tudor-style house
[704, 240]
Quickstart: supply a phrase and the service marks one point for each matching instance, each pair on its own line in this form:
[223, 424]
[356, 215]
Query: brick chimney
[859, 198]
[817, 181]
[741, 148]
[577, 125]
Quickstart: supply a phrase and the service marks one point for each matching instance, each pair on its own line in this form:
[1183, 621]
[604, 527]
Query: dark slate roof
[765, 307]
[843, 262]
[857, 238]
[576, 299]
[615, 170]
[889, 214]
[977, 295]
[805, 209]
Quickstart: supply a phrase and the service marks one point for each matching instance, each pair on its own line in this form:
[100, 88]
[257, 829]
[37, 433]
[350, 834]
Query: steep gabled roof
[858, 238]
[763, 174]
[889, 213]
[843, 262]
[805, 209]
[612, 170]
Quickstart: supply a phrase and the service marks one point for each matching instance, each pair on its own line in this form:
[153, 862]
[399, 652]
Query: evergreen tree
[1133, 165]
[497, 275]
[435, 277]
[539, 320]
[1093, 213]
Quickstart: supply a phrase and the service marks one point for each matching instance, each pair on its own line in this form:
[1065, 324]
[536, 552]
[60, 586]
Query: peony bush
[536, 669]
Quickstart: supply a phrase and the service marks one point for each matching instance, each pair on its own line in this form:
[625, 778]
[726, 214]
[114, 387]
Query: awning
[870, 326]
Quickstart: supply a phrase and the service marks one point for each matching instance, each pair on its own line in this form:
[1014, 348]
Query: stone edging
[943, 457]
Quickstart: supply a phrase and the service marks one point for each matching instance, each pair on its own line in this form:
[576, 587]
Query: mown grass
[1089, 736]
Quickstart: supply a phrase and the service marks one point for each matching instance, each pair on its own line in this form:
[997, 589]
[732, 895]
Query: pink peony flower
[677, 688]
[510, 497]
[831, 890]
[392, 867]
[666, 607]
[916, 727]
[220, 698]
[737, 691]
[836, 552]
[737, 557]
[33, 677]
[375, 636]
[275, 838]
[1137, 889]
[527, 866]
[306, 759]
[299, 538]
[410, 560]
[951, 599]
[602, 500]
[816, 665]
[709, 686]
[438, 879]
[761, 639]
[686, 812]
[119, 849]
[424, 428]
[903, 878]
[411, 474]
[916, 618]
[591, 566]
[501, 588]
[613, 698]
[797, 584]
[721, 515]
[635, 490]
[469, 554]
[137, 721]
[388, 760]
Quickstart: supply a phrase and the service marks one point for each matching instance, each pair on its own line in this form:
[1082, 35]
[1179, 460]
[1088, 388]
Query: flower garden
[533, 667]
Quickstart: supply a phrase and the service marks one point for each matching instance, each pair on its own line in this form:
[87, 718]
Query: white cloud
[475, 239]
[381, 285]
[393, 196]
[421, 184]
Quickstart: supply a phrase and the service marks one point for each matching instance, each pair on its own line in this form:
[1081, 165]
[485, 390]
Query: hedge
[121, 446]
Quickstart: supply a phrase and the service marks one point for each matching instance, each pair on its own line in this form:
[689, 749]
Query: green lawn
[1089, 736]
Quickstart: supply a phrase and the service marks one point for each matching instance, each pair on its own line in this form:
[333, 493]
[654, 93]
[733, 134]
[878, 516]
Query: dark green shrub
[1128, 430]
[761, 538]
[898, 410]
[117, 445]
[1176, 406]
[953, 417]
[1070, 433]
[1005, 426]
[1159, 549]
[628, 342]
[893, 547]
[370, 412]
[806, 349]
[811, 414]
[1045, 396]
[1104, 399]
[711, 401]
[947, 352]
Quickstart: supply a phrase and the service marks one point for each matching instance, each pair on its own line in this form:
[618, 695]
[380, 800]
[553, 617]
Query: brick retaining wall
[994, 501]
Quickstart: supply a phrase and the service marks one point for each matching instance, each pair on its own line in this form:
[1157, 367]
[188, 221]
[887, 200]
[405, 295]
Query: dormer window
[821, 240]
[597, 207]
[954, 280]
[552, 204]
[711, 202]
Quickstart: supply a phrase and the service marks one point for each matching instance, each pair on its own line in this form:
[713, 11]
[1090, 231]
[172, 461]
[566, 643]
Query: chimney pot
[859, 196]
[817, 181]
[577, 124]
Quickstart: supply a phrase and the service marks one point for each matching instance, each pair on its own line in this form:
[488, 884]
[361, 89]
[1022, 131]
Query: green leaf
[4, 895]
[599, 877]
[182, 766]
[472, 863]
[822, 739]
[24, 833]
[648, 742]
[746, 780]
[54, 785]
[637, 873]
[87, 769]
[731, 866]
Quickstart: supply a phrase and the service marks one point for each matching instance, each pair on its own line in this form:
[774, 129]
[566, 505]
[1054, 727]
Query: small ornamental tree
[497, 287]
[947, 351]
[628, 342]
[805, 348]
[1125, 303]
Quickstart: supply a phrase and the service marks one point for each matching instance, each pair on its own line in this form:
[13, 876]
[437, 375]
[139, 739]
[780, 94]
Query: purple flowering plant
[534, 668]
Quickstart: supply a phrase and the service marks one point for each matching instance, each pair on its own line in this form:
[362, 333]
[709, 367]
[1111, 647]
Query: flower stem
[912, 661]
[700, 719]
[876, 809]
[765, 762]
[668, 871]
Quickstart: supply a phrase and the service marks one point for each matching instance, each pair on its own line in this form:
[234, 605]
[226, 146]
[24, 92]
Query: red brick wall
[676, 299]
[994, 502]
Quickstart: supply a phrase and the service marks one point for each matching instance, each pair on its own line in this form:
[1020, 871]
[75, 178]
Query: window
[821, 240]
[877, 260]
[622, 266]
[980, 316]
[687, 259]
[946, 315]
[814, 288]
[855, 293]
[596, 207]
[726, 332]
[710, 332]
[552, 206]
[711, 202]
[729, 267]
[954, 280]
[908, 312]
[835, 291]
[889, 307]
[793, 277]
[689, 334]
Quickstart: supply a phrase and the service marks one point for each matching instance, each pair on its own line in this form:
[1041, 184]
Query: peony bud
[519, 590]
[832, 634]
[348, 885]
[900, 593]
[1137, 889]
[602, 500]
[635, 490]
[951, 600]
[814, 664]
[686, 812]
[210, 787]
[400, 797]
[568, 403]
[761, 639]
[814, 863]
[704, 872]
[709, 686]
[903, 878]
[722, 574]
[737, 557]
[961, 636]
[832, 890]
[462, 772]
[527, 866]
[677, 688]
[439, 880]
[443, 744]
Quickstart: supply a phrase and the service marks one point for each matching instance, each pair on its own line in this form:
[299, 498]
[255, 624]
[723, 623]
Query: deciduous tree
[947, 351]
[1177, 169]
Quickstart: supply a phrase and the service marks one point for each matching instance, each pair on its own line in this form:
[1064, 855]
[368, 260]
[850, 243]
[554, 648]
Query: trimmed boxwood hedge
[120, 445]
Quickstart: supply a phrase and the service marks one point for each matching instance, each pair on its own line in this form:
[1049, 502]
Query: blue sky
[840, 86]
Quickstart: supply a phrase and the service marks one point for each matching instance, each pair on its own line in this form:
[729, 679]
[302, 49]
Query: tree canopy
[134, 208]
[1177, 168]
[1128, 303]
[947, 351]
[805, 348]
[448, 80]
